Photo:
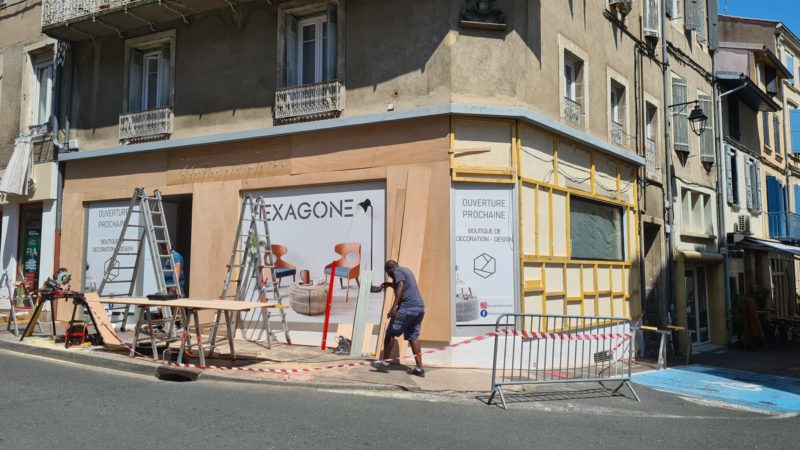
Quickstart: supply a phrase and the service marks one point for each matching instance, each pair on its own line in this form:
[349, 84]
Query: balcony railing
[572, 111]
[58, 11]
[617, 133]
[310, 100]
[650, 159]
[145, 125]
[784, 226]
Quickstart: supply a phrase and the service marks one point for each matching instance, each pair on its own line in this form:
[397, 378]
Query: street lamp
[697, 118]
[364, 205]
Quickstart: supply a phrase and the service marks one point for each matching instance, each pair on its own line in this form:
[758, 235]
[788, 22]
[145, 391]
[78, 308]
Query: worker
[405, 315]
[169, 276]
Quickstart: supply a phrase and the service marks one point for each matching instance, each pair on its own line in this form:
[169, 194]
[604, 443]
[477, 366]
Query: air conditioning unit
[742, 225]
[621, 6]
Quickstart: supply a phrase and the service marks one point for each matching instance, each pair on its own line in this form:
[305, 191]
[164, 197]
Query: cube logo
[113, 271]
[484, 265]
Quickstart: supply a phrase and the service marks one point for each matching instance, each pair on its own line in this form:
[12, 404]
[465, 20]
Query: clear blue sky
[786, 11]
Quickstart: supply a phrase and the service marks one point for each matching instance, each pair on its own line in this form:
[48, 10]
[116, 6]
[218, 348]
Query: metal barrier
[544, 349]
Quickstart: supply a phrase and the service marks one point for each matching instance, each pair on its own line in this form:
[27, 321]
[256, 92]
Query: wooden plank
[360, 317]
[103, 322]
[412, 234]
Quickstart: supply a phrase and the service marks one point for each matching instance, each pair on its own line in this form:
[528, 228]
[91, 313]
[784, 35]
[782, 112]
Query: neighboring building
[759, 162]
[521, 124]
[28, 70]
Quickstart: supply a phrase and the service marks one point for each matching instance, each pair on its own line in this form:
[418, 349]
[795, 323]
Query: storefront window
[30, 243]
[595, 230]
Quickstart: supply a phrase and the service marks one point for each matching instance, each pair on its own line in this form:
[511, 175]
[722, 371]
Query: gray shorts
[406, 323]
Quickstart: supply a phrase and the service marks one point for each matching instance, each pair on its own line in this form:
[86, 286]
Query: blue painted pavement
[768, 393]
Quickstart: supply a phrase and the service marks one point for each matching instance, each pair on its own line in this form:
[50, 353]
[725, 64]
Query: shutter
[713, 25]
[790, 66]
[794, 117]
[757, 183]
[670, 8]
[776, 133]
[680, 118]
[748, 182]
[291, 51]
[651, 16]
[729, 174]
[797, 199]
[330, 66]
[700, 20]
[707, 138]
[690, 14]
[772, 194]
[165, 94]
[765, 129]
[135, 81]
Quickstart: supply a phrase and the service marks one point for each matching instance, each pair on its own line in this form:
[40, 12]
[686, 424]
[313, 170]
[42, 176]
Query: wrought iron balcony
[318, 100]
[651, 167]
[58, 11]
[617, 133]
[572, 111]
[145, 125]
[784, 226]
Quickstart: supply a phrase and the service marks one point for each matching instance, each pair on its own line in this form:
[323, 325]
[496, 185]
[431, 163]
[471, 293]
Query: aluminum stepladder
[151, 230]
[252, 266]
[12, 300]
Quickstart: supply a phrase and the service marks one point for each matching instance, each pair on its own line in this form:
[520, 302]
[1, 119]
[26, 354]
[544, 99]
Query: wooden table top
[219, 305]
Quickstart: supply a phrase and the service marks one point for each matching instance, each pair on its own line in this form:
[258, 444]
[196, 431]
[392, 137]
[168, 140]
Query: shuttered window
[701, 20]
[765, 135]
[149, 78]
[651, 18]
[680, 116]
[752, 184]
[776, 133]
[707, 138]
[311, 48]
[790, 66]
[732, 169]
[690, 18]
[794, 117]
[797, 199]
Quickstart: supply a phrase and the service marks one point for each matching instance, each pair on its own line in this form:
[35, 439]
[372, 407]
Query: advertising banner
[104, 225]
[311, 222]
[484, 253]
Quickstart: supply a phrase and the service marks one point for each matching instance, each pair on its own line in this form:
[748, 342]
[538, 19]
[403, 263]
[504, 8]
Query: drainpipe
[668, 207]
[722, 198]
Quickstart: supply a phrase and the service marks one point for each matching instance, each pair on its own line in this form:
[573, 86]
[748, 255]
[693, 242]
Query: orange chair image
[347, 269]
[283, 268]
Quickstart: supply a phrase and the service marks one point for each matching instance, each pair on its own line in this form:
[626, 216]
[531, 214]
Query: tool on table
[252, 262]
[144, 225]
[18, 296]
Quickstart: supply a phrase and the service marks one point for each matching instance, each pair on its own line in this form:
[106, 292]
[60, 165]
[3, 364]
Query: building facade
[28, 72]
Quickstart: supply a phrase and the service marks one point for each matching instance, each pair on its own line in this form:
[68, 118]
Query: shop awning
[762, 244]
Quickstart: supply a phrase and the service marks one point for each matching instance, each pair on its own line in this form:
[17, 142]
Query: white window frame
[319, 47]
[149, 45]
[146, 57]
[570, 79]
[39, 62]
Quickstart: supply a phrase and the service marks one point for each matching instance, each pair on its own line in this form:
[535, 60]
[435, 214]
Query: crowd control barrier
[544, 349]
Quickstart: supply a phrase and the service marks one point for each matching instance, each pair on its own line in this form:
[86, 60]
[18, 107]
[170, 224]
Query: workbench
[190, 307]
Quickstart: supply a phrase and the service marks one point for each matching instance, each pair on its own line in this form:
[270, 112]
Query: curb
[139, 367]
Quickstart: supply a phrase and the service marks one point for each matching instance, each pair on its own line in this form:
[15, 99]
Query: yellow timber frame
[597, 282]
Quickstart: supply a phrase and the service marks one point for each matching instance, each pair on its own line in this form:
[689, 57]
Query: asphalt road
[47, 404]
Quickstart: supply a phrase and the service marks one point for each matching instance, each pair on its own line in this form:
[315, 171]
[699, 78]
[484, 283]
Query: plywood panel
[533, 304]
[573, 287]
[604, 306]
[574, 308]
[532, 272]
[560, 228]
[588, 305]
[616, 277]
[603, 282]
[588, 279]
[574, 167]
[528, 217]
[619, 308]
[554, 274]
[555, 305]
[544, 223]
[536, 156]
[493, 135]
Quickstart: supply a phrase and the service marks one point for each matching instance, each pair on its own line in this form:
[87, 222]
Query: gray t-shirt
[412, 299]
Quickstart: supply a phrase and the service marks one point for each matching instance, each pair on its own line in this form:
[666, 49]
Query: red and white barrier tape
[567, 336]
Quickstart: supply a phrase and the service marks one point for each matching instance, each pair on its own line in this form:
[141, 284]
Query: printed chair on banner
[347, 268]
[282, 268]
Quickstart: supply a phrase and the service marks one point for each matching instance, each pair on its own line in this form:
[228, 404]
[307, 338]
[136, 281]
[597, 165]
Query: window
[707, 138]
[732, 177]
[617, 112]
[790, 66]
[697, 213]
[797, 199]
[672, 8]
[651, 133]
[765, 134]
[752, 180]
[733, 119]
[596, 230]
[42, 98]
[771, 80]
[776, 133]
[701, 20]
[573, 88]
[794, 124]
[651, 18]
[150, 75]
[311, 48]
[680, 116]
